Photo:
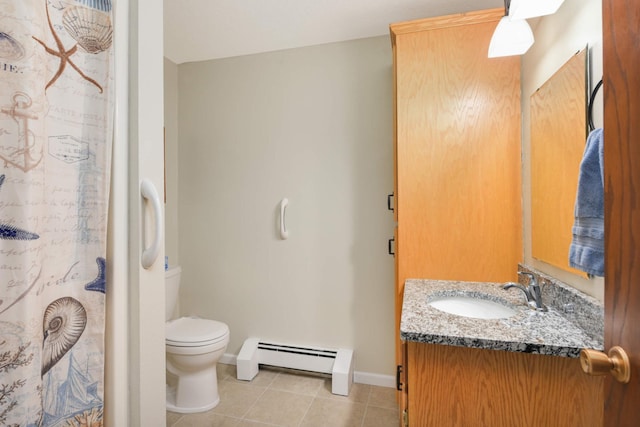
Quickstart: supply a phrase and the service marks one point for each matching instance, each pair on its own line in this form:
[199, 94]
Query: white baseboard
[374, 379]
[358, 377]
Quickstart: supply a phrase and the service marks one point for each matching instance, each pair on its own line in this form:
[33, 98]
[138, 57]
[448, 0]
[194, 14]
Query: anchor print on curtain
[56, 113]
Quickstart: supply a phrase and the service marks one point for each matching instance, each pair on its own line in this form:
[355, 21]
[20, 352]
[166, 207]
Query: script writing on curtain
[56, 120]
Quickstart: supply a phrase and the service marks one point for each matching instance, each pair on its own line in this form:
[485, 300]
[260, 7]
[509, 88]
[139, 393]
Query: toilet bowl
[193, 347]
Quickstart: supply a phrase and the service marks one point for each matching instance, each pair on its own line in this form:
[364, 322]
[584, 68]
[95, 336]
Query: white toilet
[193, 347]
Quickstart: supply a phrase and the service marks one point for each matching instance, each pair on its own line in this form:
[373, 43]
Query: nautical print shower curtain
[56, 111]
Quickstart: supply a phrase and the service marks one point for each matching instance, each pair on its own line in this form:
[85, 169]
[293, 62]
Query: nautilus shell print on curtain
[91, 28]
[62, 324]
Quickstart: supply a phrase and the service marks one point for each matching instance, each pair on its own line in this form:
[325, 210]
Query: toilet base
[171, 404]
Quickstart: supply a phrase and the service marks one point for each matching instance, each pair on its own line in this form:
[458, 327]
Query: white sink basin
[472, 306]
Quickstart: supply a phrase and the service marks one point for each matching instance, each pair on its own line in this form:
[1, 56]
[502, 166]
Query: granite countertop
[528, 331]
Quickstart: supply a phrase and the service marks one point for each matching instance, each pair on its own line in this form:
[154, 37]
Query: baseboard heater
[338, 363]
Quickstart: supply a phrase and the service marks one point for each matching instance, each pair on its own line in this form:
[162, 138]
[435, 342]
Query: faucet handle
[534, 289]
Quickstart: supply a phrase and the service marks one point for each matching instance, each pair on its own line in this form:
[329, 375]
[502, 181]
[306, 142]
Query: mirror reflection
[558, 134]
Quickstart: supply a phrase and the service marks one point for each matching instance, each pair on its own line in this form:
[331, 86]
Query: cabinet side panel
[458, 156]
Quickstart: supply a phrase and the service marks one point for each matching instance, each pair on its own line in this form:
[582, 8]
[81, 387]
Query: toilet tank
[171, 286]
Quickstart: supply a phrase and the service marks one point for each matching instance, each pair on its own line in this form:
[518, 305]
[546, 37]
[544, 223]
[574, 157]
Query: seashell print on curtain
[56, 119]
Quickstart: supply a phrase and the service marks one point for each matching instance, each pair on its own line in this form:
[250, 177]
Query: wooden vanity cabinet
[459, 217]
[456, 386]
[457, 153]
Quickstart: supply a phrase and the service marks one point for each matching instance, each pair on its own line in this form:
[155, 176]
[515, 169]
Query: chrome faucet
[531, 292]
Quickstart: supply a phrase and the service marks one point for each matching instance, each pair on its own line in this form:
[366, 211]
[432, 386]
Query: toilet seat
[195, 332]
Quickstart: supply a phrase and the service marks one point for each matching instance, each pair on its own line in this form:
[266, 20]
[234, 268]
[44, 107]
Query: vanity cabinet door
[457, 386]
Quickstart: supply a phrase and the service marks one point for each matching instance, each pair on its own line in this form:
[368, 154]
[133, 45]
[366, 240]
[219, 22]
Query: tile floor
[277, 397]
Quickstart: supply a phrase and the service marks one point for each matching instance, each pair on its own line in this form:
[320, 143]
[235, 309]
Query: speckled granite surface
[580, 309]
[527, 331]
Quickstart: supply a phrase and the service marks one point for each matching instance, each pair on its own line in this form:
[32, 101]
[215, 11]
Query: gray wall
[314, 125]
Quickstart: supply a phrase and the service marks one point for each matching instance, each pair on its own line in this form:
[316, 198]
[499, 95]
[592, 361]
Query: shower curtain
[56, 112]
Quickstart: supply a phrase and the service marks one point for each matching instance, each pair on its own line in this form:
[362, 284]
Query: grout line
[243, 417]
[306, 412]
[369, 395]
[364, 415]
[366, 405]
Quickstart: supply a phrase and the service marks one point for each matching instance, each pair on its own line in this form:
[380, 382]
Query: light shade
[525, 9]
[511, 37]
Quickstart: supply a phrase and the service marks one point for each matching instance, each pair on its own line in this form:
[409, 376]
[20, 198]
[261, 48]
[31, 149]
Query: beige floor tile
[280, 408]
[281, 398]
[247, 423]
[383, 397]
[297, 383]
[380, 417]
[172, 418]
[236, 398]
[206, 419]
[334, 413]
[264, 378]
[358, 393]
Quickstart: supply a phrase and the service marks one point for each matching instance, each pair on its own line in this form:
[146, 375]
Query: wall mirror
[558, 136]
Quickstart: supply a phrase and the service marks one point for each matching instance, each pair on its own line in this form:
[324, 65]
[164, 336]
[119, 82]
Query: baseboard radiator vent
[338, 363]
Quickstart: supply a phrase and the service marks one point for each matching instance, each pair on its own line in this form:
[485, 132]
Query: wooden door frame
[622, 200]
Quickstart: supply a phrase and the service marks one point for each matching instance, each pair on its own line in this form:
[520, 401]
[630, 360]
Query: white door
[135, 371]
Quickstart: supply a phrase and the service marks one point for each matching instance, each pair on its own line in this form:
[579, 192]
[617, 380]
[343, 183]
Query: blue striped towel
[586, 252]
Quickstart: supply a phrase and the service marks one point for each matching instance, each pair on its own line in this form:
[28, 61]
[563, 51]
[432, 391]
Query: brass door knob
[595, 362]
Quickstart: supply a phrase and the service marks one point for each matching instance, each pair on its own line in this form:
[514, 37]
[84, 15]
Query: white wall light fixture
[525, 9]
[511, 37]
